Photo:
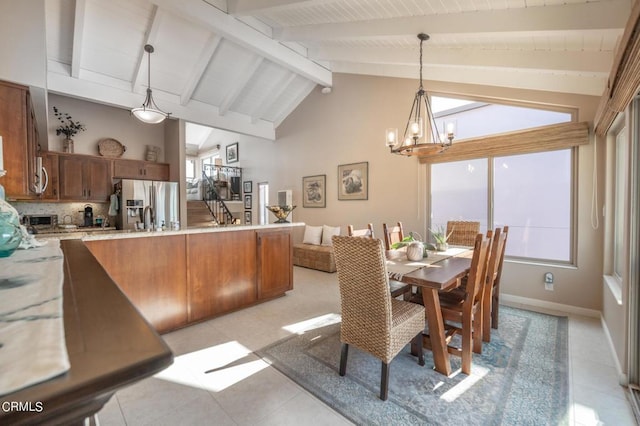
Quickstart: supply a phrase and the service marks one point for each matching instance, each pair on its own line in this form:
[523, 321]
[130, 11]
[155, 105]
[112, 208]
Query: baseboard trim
[623, 379]
[519, 301]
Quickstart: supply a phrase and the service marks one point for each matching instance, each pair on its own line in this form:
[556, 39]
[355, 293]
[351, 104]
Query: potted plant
[441, 237]
[415, 247]
[68, 128]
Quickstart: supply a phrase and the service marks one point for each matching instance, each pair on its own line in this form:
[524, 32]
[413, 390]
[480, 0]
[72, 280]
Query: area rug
[521, 378]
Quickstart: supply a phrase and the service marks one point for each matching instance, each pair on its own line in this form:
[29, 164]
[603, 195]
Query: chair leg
[486, 314]
[477, 332]
[343, 358]
[384, 382]
[416, 344]
[466, 345]
[494, 306]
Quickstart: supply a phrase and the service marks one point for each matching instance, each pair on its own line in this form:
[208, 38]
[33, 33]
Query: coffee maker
[88, 215]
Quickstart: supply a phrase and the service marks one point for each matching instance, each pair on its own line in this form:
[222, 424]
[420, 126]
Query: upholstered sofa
[314, 251]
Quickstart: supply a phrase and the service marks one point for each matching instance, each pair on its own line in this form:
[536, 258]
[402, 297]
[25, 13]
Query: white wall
[23, 42]
[348, 126]
[103, 121]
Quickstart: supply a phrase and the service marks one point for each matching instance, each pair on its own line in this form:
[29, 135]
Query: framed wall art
[247, 187]
[247, 217]
[353, 181]
[247, 202]
[233, 156]
[314, 191]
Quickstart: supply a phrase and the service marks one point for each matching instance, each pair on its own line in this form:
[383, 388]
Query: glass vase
[10, 233]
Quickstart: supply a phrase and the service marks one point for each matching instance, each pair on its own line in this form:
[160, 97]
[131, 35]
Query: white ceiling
[244, 65]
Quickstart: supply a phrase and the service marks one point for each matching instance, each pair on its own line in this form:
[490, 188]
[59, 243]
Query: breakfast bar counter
[177, 278]
[109, 345]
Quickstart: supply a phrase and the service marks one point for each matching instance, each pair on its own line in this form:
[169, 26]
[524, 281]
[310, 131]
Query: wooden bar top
[110, 345]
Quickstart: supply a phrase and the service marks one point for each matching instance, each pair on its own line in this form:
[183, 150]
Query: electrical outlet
[548, 281]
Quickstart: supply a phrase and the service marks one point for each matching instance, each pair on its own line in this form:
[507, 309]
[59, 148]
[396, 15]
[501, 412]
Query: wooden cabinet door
[13, 129]
[50, 164]
[156, 171]
[151, 272]
[128, 169]
[222, 272]
[97, 178]
[275, 263]
[133, 169]
[72, 185]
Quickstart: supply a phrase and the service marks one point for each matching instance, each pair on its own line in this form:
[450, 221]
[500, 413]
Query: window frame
[572, 262]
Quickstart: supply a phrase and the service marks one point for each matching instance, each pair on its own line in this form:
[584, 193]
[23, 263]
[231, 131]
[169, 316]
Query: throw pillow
[312, 235]
[327, 233]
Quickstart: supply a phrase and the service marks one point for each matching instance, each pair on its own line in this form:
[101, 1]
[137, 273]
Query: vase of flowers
[68, 127]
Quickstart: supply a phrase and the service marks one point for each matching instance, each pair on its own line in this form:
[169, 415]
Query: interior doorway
[263, 202]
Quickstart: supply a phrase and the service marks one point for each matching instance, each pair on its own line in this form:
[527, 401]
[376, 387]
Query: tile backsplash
[74, 210]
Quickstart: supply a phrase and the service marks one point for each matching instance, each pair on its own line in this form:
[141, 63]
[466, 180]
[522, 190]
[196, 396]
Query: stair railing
[219, 210]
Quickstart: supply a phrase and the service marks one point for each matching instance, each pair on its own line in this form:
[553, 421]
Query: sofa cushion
[312, 235]
[327, 233]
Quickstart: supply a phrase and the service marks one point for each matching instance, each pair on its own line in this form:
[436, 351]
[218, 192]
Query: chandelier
[149, 111]
[420, 139]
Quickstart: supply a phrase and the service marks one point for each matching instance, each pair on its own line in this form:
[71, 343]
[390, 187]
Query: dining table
[439, 271]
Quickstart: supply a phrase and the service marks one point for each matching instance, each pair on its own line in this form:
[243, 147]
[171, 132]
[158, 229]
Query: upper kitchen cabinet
[20, 141]
[84, 178]
[134, 169]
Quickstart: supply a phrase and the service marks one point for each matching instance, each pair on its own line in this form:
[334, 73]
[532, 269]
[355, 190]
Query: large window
[531, 193]
[619, 191]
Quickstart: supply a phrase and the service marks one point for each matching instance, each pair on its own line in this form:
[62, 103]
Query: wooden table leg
[436, 331]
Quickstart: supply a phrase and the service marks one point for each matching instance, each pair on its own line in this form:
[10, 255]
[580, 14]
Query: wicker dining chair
[397, 288]
[372, 320]
[462, 233]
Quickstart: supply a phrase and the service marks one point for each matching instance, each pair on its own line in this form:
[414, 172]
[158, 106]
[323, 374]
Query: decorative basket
[109, 147]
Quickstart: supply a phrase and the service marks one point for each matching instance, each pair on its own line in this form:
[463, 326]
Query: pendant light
[149, 111]
[420, 138]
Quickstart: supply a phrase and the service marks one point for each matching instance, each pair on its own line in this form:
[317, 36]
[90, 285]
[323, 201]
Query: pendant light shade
[149, 111]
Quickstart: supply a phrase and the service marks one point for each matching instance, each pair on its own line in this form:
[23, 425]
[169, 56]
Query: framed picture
[247, 217]
[247, 202]
[248, 187]
[314, 191]
[353, 181]
[232, 153]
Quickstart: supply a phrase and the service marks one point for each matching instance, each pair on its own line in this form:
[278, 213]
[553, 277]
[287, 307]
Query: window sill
[615, 287]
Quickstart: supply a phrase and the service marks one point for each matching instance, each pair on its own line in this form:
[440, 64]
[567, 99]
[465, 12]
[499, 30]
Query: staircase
[198, 214]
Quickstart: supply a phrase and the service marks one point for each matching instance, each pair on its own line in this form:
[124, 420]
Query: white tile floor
[239, 389]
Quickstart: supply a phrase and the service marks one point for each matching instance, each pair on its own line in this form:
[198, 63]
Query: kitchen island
[177, 278]
[109, 345]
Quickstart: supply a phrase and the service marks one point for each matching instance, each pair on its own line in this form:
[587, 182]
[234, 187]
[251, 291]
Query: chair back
[497, 250]
[498, 274]
[368, 232]
[392, 235]
[462, 233]
[477, 271]
[365, 297]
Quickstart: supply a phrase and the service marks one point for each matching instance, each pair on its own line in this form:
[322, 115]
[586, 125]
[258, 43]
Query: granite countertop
[111, 233]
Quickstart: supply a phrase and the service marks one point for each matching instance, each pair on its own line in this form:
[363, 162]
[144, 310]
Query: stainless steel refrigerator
[149, 205]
